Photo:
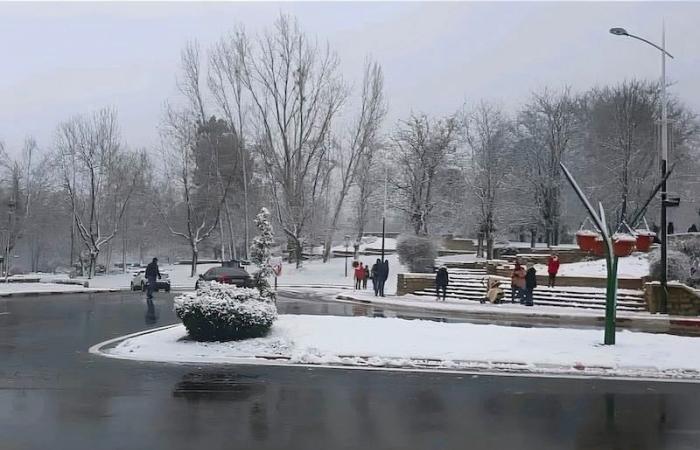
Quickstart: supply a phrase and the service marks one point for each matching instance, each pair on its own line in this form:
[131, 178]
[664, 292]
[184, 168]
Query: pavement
[535, 315]
[55, 394]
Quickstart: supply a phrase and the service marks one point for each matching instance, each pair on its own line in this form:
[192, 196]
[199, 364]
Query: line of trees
[269, 120]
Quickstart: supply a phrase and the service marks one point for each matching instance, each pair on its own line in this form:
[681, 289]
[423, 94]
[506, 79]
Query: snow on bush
[260, 252]
[691, 248]
[418, 253]
[678, 266]
[224, 312]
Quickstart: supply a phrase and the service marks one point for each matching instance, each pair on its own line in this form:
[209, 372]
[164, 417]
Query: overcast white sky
[59, 60]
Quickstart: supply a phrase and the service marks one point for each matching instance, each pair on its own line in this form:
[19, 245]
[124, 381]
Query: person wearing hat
[152, 273]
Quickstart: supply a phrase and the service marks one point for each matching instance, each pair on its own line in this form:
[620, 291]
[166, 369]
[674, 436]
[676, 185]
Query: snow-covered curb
[397, 344]
[34, 289]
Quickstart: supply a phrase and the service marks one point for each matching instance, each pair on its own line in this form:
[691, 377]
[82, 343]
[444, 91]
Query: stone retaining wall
[409, 283]
[682, 300]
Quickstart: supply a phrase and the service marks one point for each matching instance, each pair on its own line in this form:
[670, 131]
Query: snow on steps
[466, 284]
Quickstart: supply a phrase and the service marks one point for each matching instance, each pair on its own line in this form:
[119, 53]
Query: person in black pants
[442, 279]
[152, 273]
[530, 285]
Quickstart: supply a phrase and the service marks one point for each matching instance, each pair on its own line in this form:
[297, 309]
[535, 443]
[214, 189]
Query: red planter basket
[644, 240]
[586, 240]
[623, 244]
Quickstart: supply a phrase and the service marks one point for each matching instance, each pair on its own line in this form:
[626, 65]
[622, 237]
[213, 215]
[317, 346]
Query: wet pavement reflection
[55, 395]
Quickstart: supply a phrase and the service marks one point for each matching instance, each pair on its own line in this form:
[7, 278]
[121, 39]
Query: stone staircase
[466, 284]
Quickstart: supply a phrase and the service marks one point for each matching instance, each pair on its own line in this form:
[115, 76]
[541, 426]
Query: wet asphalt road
[55, 395]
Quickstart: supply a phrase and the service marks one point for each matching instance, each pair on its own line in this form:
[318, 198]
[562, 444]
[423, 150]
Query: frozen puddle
[388, 343]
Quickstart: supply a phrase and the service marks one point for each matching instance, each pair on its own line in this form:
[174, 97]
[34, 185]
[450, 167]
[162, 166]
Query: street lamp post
[664, 156]
[386, 180]
[347, 243]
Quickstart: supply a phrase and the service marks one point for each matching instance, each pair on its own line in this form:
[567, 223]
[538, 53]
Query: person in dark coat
[375, 274]
[442, 279]
[385, 276]
[693, 229]
[152, 273]
[530, 285]
[364, 279]
[670, 228]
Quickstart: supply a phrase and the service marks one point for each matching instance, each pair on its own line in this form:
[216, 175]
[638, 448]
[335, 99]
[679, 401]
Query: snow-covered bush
[260, 252]
[224, 312]
[678, 266]
[690, 248]
[418, 253]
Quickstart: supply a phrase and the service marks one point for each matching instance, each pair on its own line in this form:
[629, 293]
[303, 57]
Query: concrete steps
[466, 284]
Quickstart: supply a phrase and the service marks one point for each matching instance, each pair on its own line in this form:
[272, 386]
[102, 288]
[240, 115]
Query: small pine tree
[261, 250]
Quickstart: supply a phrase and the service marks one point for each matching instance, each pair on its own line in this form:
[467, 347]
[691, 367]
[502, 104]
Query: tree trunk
[533, 238]
[195, 256]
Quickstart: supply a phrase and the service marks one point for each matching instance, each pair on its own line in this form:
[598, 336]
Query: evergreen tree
[260, 252]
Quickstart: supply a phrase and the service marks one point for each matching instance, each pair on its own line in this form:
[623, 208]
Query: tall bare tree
[90, 156]
[362, 139]
[489, 136]
[296, 93]
[546, 126]
[421, 148]
[227, 66]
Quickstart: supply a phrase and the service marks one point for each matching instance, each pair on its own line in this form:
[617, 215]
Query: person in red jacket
[552, 268]
[359, 276]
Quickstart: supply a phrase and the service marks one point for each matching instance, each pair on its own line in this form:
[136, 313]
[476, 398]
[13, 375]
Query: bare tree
[546, 126]
[296, 93]
[90, 156]
[488, 133]
[362, 139]
[422, 147]
[227, 65]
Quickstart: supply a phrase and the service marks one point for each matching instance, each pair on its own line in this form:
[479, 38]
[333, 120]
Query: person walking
[365, 277]
[693, 229]
[442, 279]
[552, 268]
[376, 268]
[517, 282]
[152, 273]
[359, 274]
[385, 276]
[530, 285]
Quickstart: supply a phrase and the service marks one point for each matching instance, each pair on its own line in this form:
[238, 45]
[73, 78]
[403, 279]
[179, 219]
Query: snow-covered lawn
[382, 342]
[369, 243]
[332, 273]
[633, 266]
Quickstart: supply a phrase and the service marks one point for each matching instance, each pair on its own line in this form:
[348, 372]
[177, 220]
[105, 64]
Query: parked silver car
[139, 282]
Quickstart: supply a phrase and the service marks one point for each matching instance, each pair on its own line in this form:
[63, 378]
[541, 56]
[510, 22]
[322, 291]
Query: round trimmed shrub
[416, 252]
[223, 312]
[678, 266]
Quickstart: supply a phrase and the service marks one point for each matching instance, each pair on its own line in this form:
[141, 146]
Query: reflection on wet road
[55, 395]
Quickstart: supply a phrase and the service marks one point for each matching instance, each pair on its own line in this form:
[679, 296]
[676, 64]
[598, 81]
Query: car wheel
[167, 289]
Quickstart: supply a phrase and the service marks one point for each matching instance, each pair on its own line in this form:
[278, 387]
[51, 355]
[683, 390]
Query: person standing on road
[376, 273]
[365, 277]
[442, 279]
[517, 282]
[552, 268]
[152, 273]
[530, 285]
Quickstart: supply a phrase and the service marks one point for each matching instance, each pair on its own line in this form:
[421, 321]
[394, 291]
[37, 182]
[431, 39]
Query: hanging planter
[645, 237]
[598, 246]
[585, 239]
[623, 244]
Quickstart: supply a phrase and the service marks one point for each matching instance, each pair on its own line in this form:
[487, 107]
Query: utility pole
[386, 180]
[664, 158]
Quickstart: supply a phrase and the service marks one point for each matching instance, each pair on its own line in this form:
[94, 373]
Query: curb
[657, 324]
[44, 293]
[417, 365]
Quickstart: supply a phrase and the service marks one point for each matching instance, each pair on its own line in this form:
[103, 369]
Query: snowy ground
[633, 266]
[332, 273]
[369, 243]
[179, 277]
[398, 343]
